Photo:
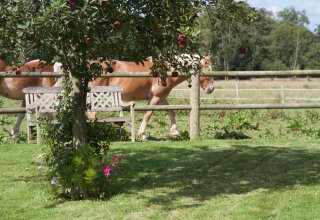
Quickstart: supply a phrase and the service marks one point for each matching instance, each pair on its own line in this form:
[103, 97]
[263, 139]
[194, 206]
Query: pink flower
[116, 159]
[40, 167]
[106, 170]
[53, 181]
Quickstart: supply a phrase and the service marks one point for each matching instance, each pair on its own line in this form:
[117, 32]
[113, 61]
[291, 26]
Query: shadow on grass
[203, 173]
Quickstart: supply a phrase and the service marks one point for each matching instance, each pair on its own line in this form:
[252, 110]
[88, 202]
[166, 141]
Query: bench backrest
[99, 98]
[104, 98]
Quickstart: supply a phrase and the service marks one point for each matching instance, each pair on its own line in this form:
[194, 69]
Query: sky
[312, 8]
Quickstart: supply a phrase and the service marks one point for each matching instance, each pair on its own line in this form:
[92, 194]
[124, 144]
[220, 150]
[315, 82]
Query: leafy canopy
[76, 32]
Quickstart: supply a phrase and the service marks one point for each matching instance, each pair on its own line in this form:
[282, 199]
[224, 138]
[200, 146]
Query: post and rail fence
[194, 106]
[234, 94]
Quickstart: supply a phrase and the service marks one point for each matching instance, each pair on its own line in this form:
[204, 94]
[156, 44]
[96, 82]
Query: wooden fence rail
[281, 91]
[12, 110]
[202, 107]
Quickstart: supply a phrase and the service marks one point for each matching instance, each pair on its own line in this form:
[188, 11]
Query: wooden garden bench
[43, 100]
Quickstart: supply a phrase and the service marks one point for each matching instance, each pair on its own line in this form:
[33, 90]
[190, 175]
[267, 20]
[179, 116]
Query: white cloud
[312, 8]
[274, 9]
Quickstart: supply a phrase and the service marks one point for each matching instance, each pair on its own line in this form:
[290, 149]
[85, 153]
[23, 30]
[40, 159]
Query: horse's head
[206, 82]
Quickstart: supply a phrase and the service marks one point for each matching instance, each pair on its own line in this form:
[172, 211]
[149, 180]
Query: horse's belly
[134, 95]
[134, 89]
[12, 87]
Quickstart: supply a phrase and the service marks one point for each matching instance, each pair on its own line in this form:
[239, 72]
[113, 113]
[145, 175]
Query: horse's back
[12, 87]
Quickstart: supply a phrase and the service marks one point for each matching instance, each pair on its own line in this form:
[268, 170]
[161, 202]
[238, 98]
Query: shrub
[77, 173]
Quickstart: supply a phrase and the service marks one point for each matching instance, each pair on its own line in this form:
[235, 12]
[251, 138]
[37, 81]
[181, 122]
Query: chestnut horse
[12, 87]
[148, 88]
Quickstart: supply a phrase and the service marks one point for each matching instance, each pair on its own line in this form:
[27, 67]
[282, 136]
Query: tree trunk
[297, 50]
[79, 119]
[224, 55]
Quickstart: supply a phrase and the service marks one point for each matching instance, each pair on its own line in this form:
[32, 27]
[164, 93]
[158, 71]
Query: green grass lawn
[244, 179]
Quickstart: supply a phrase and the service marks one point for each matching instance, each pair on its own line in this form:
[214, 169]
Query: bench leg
[29, 133]
[29, 128]
[132, 125]
[122, 133]
[38, 135]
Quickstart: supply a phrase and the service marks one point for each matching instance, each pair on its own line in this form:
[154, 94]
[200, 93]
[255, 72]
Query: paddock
[194, 106]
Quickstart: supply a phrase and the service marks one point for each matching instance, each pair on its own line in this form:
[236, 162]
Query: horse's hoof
[143, 137]
[14, 134]
[175, 133]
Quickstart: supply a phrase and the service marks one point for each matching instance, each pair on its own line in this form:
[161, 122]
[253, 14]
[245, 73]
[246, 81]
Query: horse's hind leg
[146, 117]
[16, 128]
[174, 128]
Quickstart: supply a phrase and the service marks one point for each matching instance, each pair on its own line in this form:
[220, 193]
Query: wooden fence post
[195, 107]
[282, 95]
[237, 93]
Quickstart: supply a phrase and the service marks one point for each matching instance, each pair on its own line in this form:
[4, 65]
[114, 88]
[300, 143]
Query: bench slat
[112, 119]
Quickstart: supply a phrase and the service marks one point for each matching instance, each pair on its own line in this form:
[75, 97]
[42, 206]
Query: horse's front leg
[146, 117]
[174, 128]
[16, 128]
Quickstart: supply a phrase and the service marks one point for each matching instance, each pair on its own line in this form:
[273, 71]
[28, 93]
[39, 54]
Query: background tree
[219, 24]
[299, 18]
[269, 43]
[312, 56]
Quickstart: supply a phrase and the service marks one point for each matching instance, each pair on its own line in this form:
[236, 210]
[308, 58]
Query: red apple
[117, 25]
[110, 69]
[72, 4]
[242, 50]
[18, 71]
[182, 38]
[174, 74]
[163, 82]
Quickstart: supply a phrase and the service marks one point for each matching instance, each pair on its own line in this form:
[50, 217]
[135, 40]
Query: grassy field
[266, 91]
[208, 179]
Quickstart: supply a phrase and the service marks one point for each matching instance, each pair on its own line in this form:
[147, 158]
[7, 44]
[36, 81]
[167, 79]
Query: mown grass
[230, 179]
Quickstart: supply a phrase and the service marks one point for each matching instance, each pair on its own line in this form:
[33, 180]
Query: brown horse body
[149, 88]
[12, 87]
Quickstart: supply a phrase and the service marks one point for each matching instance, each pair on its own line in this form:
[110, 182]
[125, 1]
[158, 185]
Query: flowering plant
[107, 168]
[83, 174]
